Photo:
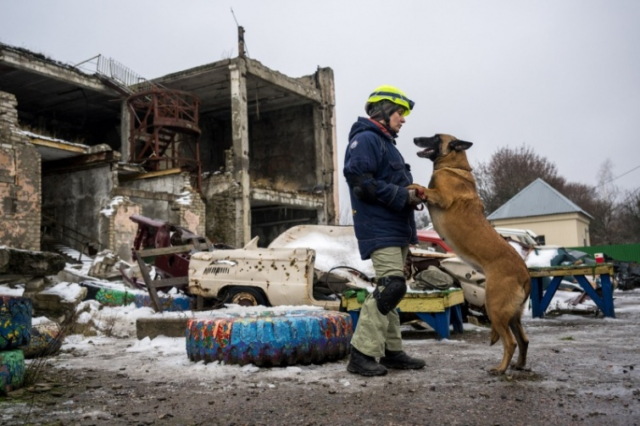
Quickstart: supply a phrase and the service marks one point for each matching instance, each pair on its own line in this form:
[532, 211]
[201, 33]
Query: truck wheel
[270, 338]
[245, 296]
[15, 321]
[12, 371]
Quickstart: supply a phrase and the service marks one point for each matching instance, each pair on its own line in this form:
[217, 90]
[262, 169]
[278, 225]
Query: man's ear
[459, 145]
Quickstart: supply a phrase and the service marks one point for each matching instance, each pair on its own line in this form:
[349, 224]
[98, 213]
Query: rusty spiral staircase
[164, 132]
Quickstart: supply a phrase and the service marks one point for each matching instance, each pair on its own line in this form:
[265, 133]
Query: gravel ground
[585, 370]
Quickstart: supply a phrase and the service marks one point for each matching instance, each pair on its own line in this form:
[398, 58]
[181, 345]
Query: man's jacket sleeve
[365, 158]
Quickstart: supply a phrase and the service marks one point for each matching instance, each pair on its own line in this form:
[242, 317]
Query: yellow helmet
[392, 94]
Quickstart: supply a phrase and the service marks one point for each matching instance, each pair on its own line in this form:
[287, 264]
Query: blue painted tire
[15, 322]
[270, 338]
[12, 371]
[114, 297]
[169, 303]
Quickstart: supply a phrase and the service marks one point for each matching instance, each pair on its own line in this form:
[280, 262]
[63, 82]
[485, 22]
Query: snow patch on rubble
[69, 292]
[49, 138]
[108, 211]
[10, 291]
[185, 198]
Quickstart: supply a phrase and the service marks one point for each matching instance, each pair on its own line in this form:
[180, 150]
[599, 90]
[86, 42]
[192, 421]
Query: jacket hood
[364, 124]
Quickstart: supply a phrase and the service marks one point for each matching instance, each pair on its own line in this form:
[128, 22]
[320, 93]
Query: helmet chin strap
[386, 122]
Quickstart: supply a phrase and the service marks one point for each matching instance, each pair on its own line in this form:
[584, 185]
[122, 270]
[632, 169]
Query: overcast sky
[562, 77]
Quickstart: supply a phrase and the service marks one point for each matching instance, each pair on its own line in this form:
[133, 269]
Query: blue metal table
[540, 297]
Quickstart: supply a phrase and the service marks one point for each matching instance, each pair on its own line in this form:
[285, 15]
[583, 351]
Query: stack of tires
[15, 331]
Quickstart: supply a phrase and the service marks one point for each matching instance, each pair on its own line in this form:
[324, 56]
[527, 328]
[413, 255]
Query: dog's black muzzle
[431, 146]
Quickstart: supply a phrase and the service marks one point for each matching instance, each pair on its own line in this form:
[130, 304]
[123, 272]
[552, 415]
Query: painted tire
[12, 371]
[45, 340]
[113, 297]
[269, 338]
[169, 304]
[15, 322]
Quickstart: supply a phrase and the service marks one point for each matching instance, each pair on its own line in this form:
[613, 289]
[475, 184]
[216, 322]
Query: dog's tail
[494, 336]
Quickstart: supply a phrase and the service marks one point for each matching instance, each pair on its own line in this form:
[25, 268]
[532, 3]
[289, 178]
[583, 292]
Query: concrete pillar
[324, 121]
[125, 130]
[240, 144]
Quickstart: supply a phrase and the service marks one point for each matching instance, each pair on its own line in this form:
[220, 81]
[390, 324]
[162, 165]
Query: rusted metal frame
[139, 128]
[171, 108]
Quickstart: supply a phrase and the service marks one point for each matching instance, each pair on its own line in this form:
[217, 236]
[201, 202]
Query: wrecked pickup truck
[288, 272]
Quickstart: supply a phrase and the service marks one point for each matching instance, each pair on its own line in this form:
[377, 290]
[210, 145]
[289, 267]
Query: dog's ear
[459, 145]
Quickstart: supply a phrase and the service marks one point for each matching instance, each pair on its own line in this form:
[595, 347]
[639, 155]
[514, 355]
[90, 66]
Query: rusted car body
[288, 272]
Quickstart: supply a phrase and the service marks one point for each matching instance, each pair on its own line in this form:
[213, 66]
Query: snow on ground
[116, 348]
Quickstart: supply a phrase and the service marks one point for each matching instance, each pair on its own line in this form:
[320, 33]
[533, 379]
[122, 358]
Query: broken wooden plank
[169, 282]
[153, 294]
[166, 250]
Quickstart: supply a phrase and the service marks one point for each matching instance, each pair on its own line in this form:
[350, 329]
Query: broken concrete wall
[20, 182]
[282, 148]
[170, 198]
[220, 192]
[221, 219]
[154, 194]
[74, 201]
[117, 230]
[189, 211]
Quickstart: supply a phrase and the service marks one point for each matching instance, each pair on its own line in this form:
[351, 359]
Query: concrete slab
[154, 327]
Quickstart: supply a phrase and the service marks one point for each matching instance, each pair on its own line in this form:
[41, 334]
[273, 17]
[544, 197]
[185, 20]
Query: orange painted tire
[270, 338]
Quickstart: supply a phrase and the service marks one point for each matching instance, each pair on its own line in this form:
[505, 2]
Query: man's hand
[414, 199]
[419, 192]
[417, 196]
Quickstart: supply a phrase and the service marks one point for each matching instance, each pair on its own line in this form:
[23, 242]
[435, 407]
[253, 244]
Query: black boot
[401, 361]
[364, 365]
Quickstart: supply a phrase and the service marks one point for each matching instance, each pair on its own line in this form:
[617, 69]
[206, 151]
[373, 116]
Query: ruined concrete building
[230, 149]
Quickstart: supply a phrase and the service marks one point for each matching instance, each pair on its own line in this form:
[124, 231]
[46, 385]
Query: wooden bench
[438, 309]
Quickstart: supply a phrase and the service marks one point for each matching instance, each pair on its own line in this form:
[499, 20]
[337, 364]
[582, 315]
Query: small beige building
[552, 216]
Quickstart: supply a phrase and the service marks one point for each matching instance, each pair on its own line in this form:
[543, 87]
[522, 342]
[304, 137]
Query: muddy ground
[585, 370]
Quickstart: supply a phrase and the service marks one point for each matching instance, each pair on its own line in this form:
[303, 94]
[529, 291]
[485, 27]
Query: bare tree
[628, 215]
[509, 171]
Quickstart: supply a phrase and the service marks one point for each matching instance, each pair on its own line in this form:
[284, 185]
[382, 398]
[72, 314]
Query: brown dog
[458, 216]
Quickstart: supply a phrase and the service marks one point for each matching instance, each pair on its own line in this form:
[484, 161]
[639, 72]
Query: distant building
[552, 216]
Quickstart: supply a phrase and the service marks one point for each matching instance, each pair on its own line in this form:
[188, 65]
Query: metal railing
[62, 233]
[118, 73]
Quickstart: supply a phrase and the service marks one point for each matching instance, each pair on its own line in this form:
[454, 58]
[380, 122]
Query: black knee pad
[394, 290]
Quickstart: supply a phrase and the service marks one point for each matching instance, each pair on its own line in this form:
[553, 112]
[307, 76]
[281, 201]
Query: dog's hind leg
[500, 329]
[522, 339]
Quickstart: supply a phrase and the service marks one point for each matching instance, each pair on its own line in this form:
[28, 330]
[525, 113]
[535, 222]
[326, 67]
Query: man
[383, 216]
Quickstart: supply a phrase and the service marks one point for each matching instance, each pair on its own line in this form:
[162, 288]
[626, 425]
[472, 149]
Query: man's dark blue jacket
[387, 220]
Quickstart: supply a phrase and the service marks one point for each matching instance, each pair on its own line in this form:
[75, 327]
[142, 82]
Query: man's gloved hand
[417, 196]
[419, 191]
[414, 198]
